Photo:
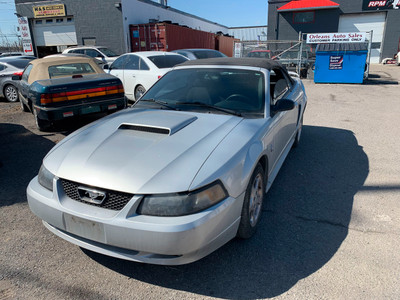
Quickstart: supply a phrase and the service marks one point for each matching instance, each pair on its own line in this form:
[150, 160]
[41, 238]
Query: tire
[24, 107]
[42, 125]
[139, 91]
[11, 93]
[298, 134]
[252, 205]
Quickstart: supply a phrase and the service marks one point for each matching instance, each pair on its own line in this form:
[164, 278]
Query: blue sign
[336, 62]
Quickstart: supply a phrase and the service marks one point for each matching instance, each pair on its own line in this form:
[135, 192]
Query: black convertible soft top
[232, 61]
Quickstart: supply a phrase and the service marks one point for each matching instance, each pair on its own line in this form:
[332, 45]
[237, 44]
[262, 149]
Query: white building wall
[139, 12]
[256, 33]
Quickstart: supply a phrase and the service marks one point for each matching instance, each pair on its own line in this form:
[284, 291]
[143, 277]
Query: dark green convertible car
[61, 86]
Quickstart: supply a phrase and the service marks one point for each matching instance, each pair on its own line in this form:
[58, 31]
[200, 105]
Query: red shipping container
[168, 37]
[225, 44]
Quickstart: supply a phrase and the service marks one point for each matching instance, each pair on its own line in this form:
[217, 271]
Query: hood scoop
[142, 128]
[157, 122]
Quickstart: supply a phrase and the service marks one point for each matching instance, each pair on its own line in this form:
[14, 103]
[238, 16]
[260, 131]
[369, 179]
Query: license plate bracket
[90, 109]
[84, 228]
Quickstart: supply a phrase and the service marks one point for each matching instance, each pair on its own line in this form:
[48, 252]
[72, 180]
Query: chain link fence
[295, 55]
[286, 52]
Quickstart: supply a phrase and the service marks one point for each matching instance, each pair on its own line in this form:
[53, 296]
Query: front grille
[114, 200]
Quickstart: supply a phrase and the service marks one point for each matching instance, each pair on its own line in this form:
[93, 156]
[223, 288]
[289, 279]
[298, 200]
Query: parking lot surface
[330, 228]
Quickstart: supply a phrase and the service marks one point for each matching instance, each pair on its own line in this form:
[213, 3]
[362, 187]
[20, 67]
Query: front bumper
[71, 110]
[124, 234]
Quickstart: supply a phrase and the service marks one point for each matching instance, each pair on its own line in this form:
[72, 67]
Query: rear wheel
[41, 124]
[139, 91]
[252, 205]
[11, 93]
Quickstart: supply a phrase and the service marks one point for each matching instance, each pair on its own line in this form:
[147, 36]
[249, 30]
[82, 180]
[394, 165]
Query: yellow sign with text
[44, 11]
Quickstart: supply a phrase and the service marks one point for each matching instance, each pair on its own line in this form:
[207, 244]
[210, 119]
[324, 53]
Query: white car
[103, 55]
[140, 70]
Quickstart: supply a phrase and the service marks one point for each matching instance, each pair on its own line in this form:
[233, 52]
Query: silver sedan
[9, 66]
[183, 171]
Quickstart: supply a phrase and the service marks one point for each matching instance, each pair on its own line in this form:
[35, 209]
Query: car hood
[141, 151]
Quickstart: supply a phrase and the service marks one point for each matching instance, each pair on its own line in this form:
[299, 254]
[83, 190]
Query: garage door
[54, 32]
[363, 23]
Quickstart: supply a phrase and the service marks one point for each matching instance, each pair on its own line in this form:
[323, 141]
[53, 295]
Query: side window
[143, 65]
[26, 73]
[2, 67]
[279, 85]
[79, 51]
[119, 63]
[132, 63]
[93, 53]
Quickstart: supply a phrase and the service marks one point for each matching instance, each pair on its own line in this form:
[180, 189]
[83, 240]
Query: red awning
[308, 5]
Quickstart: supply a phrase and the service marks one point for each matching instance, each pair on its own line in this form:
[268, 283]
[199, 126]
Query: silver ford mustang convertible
[180, 173]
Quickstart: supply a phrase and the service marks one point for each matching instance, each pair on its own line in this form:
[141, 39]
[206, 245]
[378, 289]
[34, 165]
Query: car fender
[233, 160]
[253, 156]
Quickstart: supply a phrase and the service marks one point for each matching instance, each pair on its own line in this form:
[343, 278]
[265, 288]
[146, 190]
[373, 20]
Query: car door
[117, 68]
[146, 76]
[283, 88]
[23, 86]
[130, 74]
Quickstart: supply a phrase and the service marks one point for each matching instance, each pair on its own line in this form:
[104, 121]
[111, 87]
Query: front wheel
[252, 205]
[11, 93]
[41, 124]
[139, 91]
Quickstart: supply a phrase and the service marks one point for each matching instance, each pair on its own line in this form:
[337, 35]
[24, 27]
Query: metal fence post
[300, 53]
[369, 52]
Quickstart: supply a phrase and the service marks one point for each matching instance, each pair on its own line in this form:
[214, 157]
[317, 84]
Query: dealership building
[56, 25]
[287, 18]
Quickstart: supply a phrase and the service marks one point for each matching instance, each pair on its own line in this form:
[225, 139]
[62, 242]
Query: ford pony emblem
[91, 195]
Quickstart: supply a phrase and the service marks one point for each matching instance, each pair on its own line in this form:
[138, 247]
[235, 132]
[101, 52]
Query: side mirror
[106, 67]
[283, 105]
[16, 77]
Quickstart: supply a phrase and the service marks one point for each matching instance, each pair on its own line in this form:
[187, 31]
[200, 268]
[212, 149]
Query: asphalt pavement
[330, 228]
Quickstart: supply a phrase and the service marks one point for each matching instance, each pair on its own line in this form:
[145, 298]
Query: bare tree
[10, 42]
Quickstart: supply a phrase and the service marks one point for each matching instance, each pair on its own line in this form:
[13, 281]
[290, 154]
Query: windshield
[70, 69]
[108, 52]
[214, 90]
[167, 61]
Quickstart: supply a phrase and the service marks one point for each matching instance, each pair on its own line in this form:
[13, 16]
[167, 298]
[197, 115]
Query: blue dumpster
[340, 63]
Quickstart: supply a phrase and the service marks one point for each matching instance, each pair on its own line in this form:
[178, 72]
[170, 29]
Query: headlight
[46, 178]
[180, 204]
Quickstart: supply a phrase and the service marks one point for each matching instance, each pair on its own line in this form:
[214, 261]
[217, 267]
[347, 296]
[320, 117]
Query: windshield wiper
[163, 103]
[225, 110]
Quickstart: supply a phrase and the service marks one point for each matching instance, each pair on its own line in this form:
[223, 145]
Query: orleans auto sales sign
[381, 4]
[339, 37]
